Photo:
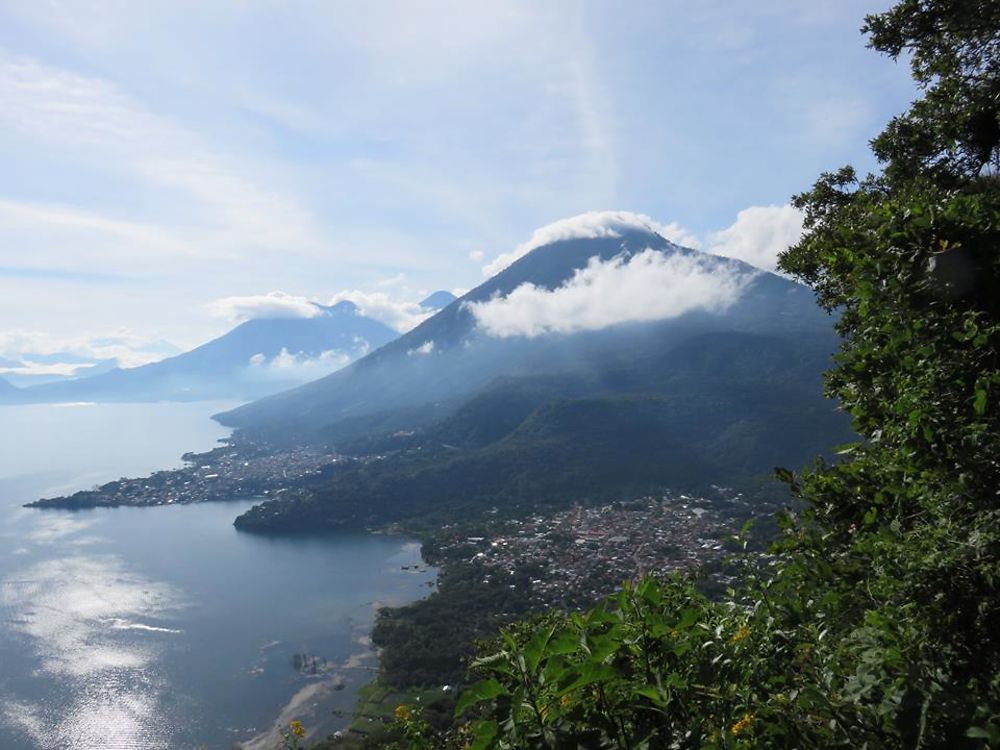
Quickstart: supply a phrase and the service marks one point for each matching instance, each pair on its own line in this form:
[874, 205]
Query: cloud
[399, 315]
[34, 369]
[397, 280]
[476, 256]
[590, 225]
[94, 123]
[32, 215]
[425, 348]
[270, 305]
[362, 347]
[129, 349]
[644, 287]
[677, 234]
[300, 366]
[758, 235]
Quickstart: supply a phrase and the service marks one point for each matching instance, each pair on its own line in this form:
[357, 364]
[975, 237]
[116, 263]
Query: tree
[952, 132]
[909, 258]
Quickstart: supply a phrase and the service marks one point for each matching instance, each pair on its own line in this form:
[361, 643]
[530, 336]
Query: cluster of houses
[581, 554]
[229, 475]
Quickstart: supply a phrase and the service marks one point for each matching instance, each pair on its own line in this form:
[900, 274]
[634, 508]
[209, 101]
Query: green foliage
[431, 642]
[660, 666]
[953, 131]
[641, 670]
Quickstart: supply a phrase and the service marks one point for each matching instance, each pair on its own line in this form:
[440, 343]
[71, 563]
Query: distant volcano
[258, 357]
[438, 300]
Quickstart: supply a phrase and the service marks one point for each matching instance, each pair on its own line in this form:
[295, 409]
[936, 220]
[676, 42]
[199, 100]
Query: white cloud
[644, 287]
[362, 346]
[400, 315]
[299, 366]
[16, 214]
[476, 256]
[59, 369]
[331, 357]
[270, 305]
[129, 349]
[590, 225]
[397, 280]
[425, 348]
[758, 235]
[229, 209]
[677, 234]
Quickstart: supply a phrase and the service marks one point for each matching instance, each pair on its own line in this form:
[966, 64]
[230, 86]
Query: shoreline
[316, 703]
[328, 705]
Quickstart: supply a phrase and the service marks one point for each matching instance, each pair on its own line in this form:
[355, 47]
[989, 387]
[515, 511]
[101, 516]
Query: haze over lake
[164, 627]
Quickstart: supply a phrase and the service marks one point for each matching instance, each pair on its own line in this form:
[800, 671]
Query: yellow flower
[402, 713]
[565, 701]
[742, 725]
[297, 729]
[740, 634]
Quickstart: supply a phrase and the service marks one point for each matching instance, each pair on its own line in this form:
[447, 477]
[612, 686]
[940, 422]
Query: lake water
[165, 627]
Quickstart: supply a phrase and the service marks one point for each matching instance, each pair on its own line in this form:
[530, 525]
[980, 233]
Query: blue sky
[157, 156]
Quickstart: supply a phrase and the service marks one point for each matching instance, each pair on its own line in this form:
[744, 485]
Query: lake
[164, 627]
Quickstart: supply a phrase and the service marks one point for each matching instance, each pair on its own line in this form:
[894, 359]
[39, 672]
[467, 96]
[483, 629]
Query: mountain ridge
[447, 355]
[257, 356]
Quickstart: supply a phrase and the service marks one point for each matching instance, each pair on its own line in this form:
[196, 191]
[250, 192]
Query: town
[222, 474]
[578, 555]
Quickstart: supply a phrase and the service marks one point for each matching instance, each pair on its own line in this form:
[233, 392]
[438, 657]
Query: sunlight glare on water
[143, 628]
[85, 617]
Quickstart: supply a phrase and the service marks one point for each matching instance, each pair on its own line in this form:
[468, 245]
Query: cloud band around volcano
[643, 287]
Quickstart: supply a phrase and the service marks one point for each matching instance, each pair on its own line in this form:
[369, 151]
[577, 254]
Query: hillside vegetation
[718, 408]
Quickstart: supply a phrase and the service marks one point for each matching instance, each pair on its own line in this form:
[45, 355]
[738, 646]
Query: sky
[158, 158]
